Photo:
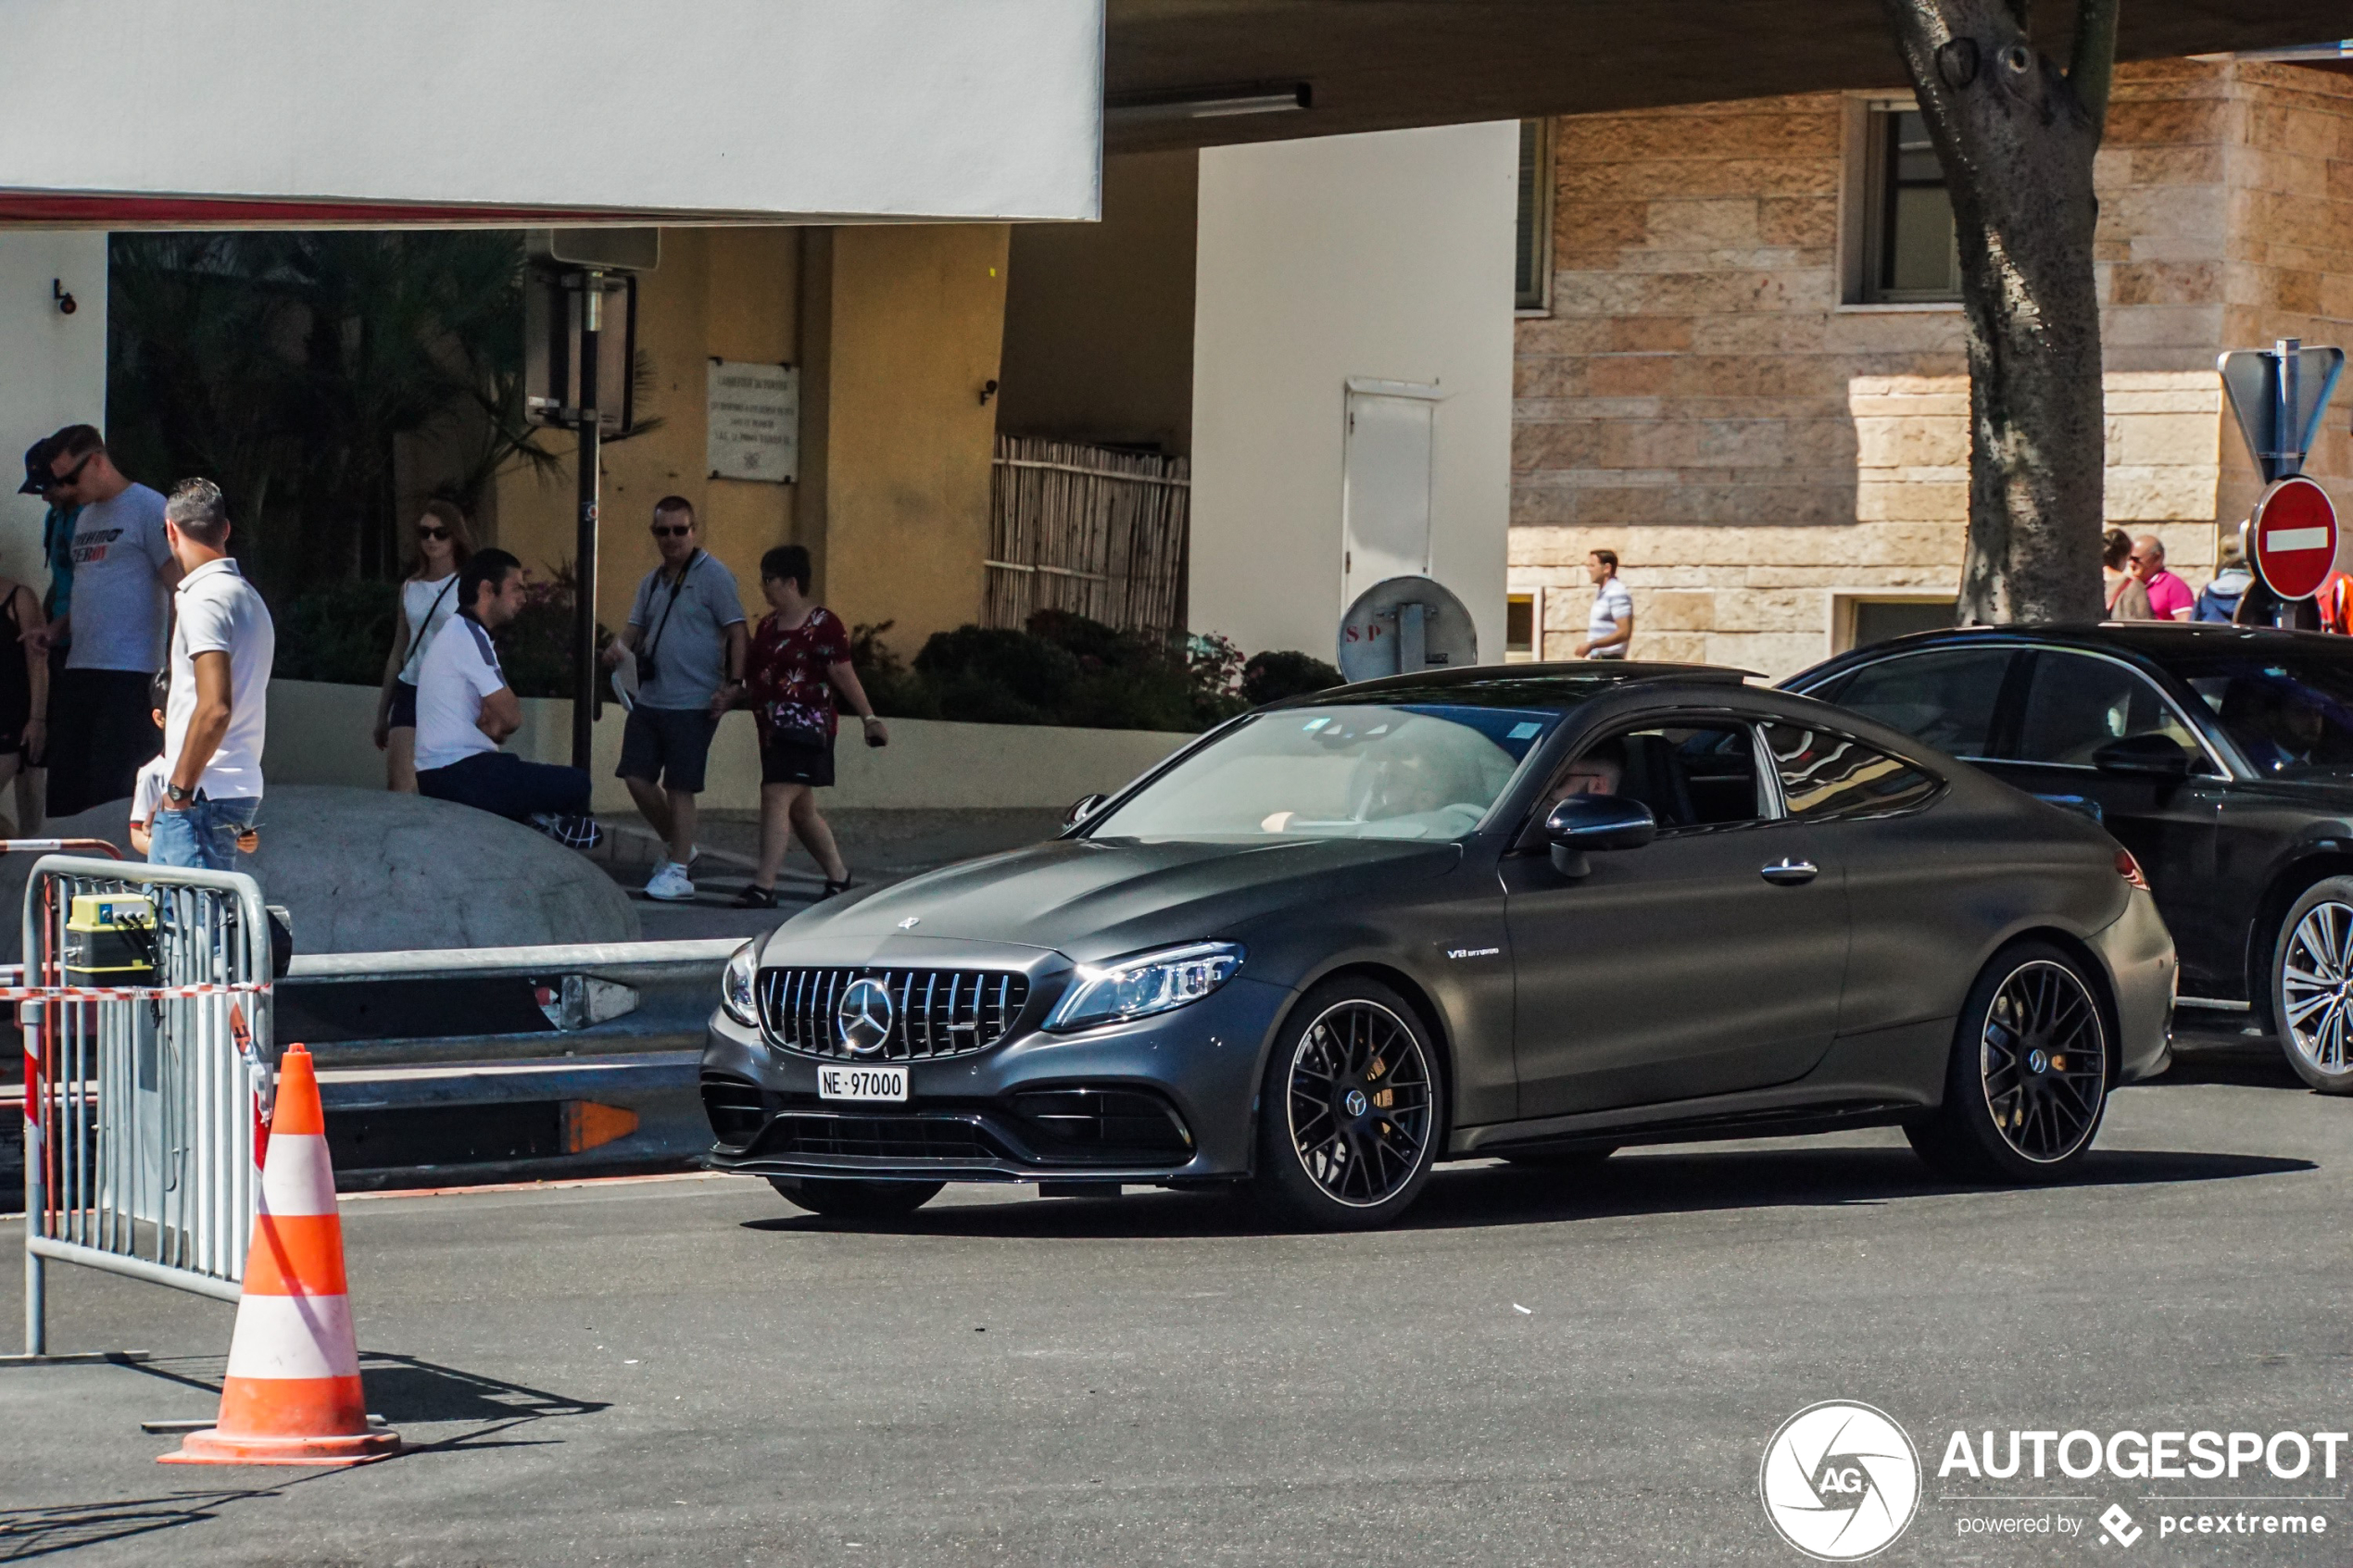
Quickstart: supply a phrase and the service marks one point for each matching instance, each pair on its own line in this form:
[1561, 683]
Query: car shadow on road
[1677, 1181]
[2254, 1064]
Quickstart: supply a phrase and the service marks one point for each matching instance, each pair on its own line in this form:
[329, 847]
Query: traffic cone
[292, 1395]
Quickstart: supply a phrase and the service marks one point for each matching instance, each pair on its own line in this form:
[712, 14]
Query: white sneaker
[670, 884]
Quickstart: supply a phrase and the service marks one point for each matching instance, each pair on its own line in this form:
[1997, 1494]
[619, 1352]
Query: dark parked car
[2221, 757]
[1534, 913]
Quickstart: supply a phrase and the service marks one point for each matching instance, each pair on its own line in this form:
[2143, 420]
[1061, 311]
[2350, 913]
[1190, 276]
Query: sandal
[832, 887]
[755, 896]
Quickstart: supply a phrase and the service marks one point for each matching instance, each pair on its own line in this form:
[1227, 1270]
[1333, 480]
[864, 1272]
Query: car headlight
[737, 997]
[1144, 984]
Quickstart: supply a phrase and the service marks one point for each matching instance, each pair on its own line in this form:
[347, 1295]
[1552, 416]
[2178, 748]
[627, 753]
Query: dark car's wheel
[2028, 1080]
[2312, 985]
[1351, 1109]
[845, 1198]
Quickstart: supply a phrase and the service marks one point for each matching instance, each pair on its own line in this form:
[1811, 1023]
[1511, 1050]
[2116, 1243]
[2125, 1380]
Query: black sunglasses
[432, 534]
[678, 530]
[63, 480]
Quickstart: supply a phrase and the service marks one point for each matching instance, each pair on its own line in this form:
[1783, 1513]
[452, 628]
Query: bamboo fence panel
[1087, 528]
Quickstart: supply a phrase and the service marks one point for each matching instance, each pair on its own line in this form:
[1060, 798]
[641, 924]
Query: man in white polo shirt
[1609, 631]
[222, 644]
[465, 710]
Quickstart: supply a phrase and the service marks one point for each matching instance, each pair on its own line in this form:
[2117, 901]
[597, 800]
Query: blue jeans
[204, 836]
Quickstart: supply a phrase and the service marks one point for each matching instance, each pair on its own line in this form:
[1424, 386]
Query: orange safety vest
[2336, 604]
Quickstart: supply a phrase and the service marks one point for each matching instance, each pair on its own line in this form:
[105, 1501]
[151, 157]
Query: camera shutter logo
[1839, 1480]
[863, 1018]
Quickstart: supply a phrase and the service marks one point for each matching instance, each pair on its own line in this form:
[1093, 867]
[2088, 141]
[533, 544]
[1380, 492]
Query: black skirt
[795, 756]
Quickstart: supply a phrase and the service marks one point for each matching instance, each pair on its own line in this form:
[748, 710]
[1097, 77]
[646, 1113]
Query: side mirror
[1083, 808]
[1584, 823]
[2147, 757]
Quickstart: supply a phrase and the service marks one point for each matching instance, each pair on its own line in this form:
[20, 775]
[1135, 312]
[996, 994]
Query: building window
[1910, 253]
[1533, 249]
[1523, 631]
[1861, 616]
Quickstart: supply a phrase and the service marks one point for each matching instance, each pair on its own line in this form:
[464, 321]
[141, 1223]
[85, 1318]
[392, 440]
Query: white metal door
[1385, 499]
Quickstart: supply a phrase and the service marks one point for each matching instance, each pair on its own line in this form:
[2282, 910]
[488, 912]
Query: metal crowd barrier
[144, 1103]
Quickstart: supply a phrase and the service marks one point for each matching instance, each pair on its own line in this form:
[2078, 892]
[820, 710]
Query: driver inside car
[1600, 771]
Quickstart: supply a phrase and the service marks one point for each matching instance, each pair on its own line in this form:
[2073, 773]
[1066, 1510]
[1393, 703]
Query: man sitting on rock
[465, 710]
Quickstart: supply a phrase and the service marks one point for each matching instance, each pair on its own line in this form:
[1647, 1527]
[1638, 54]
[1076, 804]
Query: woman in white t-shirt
[427, 601]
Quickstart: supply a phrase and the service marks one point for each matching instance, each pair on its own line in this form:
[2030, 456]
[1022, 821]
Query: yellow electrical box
[111, 939]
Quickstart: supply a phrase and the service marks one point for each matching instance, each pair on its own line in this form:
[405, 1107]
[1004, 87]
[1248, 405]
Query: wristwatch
[181, 793]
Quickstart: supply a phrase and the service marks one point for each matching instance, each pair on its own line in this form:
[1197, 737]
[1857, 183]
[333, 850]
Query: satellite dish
[1404, 626]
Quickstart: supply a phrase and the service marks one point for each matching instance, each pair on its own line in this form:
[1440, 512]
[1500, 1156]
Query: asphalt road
[1530, 1370]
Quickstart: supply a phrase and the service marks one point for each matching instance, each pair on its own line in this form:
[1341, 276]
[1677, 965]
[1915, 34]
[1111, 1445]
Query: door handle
[1786, 872]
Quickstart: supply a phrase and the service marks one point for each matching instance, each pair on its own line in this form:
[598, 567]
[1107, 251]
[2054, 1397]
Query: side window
[1691, 776]
[1827, 777]
[2075, 705]
[1946, 698]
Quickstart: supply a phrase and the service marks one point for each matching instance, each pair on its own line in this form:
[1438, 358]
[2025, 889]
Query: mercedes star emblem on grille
[864, 1016]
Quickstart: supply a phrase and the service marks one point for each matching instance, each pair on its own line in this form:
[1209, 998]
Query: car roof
[1519, 685]
[2154, 640]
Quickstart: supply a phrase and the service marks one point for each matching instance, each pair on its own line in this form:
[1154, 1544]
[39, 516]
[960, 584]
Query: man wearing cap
[101, 731]
[56, 535]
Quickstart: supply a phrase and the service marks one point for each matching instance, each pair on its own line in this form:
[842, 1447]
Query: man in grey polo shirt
[686, 633]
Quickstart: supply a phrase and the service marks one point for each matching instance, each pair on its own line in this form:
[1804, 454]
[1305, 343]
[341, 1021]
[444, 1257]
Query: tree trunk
[2016, 137]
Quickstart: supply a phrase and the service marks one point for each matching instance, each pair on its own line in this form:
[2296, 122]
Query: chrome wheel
[1359, 1103]
[2043, 1060]
[2315, 989]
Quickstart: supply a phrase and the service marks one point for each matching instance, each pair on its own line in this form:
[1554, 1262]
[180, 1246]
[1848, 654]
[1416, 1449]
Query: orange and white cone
[292, 1395]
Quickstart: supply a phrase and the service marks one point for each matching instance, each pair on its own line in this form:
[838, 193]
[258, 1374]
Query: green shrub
[341, 633]
[1063, 669]
[1274, 676]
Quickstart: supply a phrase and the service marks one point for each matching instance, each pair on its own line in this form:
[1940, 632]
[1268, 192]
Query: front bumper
[2138, 951]
[1168, 1098]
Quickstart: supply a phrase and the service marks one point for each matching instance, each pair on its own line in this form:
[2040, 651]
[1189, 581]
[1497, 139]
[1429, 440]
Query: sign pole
[584, 569]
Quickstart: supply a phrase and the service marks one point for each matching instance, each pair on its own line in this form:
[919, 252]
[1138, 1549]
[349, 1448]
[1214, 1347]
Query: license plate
[861, 1083]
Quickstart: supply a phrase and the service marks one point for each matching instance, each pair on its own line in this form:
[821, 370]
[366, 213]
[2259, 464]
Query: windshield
[2287, 716]
[1411, 771]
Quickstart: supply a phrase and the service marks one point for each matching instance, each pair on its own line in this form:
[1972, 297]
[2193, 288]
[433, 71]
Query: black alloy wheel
[2312, 985]
[1351, 1112]
[848, 1198]
[2028, 1081]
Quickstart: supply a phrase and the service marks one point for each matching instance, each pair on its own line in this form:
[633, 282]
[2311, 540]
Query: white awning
[225, 113]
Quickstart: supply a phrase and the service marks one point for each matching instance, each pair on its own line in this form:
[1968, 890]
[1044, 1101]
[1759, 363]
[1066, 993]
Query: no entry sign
[2295, 538]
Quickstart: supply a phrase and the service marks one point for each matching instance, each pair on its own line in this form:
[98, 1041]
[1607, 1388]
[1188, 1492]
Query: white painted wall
[52, 368]
[1386, 256]
[895, 108]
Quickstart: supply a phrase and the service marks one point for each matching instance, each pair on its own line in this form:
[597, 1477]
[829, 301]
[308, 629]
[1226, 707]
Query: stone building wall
[1700, 401]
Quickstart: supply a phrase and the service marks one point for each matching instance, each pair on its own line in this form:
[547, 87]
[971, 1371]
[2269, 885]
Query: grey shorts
[667, 746]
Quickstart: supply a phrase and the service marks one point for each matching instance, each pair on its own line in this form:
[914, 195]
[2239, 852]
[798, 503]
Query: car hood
[1095, 900]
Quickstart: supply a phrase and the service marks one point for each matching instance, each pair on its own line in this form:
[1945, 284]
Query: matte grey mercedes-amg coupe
[1533, 913]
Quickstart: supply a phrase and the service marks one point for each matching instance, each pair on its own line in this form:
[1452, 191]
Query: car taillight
[2130, 870]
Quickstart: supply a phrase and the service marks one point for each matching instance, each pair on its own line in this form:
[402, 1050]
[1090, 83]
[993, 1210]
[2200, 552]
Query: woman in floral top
[799, 659]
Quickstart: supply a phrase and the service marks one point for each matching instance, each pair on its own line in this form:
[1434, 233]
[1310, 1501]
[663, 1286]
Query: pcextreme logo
[1839, 1480]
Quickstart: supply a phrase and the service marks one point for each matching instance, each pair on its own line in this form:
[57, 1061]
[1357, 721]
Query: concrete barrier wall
[320, 734]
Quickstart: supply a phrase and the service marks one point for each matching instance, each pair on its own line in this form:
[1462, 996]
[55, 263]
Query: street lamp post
[583, 628]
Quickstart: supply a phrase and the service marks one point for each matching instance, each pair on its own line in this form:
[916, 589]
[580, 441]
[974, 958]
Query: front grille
[899, 1137]
[935, 1012]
